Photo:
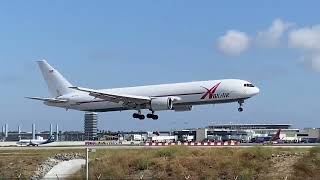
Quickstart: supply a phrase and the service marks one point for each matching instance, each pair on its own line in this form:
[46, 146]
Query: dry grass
[176, 163]
[22, 163]
[308, 167]
[183, 163]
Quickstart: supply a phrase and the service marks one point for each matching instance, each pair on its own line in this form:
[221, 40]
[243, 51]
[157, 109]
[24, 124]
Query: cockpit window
[248, 85]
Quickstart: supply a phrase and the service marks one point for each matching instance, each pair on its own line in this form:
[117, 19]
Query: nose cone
[253, 91]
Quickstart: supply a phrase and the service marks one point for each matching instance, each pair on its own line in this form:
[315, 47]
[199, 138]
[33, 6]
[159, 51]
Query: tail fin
[57, 84]
[51, 139]
[276, 136]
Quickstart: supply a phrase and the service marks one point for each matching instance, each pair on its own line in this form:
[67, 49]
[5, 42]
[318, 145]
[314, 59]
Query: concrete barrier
[229, 143]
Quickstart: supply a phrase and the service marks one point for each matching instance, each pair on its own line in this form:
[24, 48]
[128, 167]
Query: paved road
[157, 147]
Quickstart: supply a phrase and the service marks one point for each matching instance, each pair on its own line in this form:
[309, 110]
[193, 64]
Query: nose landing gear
[240, 109]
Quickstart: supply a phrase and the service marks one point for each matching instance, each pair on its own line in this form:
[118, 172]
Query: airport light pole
[87, 164]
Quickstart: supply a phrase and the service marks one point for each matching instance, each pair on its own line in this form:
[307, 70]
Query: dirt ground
[283, 164]
[22, 164]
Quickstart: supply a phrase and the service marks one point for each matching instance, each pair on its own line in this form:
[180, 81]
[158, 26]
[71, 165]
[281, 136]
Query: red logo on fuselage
[210, 92]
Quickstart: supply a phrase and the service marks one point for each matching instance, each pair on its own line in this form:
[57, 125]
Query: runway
[303, 146]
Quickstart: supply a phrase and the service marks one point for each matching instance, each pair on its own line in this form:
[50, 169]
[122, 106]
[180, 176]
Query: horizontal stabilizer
[52, 100]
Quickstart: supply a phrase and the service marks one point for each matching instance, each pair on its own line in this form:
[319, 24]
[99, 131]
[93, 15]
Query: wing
[52, 100]
[126, 100]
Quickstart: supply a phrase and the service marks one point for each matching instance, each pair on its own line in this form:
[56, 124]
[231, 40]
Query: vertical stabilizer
[57, 84]
[276, 136]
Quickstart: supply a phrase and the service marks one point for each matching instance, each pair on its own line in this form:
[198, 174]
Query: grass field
[177, 162]
[216, 163]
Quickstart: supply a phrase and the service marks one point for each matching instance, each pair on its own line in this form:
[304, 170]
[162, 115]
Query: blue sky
[106, 44]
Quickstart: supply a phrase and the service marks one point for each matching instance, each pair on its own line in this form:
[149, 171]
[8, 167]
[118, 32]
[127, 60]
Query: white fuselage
[35, 142]
[30, 142]
[185, 94]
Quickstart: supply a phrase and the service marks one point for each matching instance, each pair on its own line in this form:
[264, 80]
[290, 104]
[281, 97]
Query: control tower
[90, 125]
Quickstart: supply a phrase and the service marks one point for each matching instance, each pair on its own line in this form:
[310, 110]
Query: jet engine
[161, 104]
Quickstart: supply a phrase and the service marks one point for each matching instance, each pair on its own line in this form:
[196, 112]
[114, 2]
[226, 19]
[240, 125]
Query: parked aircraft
[276, 136]
[270, 139]
[177, 97]
[36, 142]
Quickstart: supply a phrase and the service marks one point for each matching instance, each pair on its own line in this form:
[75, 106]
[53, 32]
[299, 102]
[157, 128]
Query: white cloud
[307, 38]
[272, 36]
[312, 62]
[304, 39]
[234, 42]
[315, 63]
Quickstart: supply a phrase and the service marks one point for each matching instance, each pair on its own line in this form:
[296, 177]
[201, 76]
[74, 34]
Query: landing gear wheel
[138, 116]
[141, 117]
[135, 115]
[240, 109]
[155, 117]
[149, 116]
[152, 116]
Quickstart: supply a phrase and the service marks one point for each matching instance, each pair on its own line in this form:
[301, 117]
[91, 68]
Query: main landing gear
[152, 116]
[240, 109]
[140, 116]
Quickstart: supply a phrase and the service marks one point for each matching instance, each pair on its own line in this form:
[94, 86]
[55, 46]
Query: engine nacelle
[161, 104]
[182, 108]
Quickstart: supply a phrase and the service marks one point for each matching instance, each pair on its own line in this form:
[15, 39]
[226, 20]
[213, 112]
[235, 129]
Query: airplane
[271, 139]
[36, 142]
[276, 136]
[177, 97]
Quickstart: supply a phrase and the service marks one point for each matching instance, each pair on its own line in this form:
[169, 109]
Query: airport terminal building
[245, 133]
[250, 126]
[225, 132]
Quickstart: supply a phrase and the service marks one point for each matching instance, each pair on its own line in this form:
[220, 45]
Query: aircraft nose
[253, 91]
